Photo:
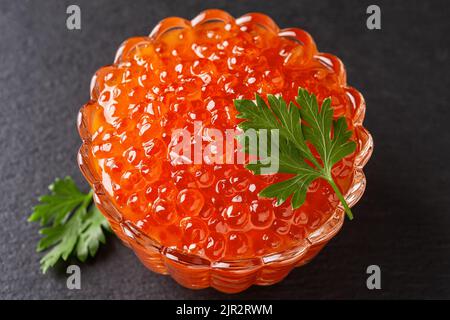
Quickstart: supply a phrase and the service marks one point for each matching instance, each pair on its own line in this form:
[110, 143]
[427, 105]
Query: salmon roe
[193, 73]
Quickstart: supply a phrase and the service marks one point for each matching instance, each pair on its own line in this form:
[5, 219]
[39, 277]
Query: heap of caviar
[157, 85]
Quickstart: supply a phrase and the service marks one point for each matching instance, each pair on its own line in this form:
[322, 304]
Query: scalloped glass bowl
[233, 276]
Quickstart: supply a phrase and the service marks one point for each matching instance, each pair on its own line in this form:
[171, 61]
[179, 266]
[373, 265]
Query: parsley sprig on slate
[298, 127]
[72, 224]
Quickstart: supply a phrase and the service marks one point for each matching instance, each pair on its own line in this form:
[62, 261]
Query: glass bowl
[231, 276]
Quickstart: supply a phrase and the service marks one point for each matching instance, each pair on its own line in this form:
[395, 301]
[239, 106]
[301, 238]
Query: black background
[402, 222]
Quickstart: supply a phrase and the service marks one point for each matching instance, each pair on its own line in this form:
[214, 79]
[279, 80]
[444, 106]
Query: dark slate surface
[402, 223]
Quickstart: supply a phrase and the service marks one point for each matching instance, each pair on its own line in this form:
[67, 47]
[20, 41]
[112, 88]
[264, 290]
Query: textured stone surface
[401, 223]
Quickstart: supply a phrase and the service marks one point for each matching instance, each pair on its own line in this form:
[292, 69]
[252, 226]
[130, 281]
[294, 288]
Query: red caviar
[186, 72]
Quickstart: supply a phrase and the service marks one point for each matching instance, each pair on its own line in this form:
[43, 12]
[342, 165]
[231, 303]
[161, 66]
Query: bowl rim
[316, 237]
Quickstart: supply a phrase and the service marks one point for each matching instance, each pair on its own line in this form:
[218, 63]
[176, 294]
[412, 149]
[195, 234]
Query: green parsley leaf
[297, 127]
[73, 224]
[92, 233]
[55, 207]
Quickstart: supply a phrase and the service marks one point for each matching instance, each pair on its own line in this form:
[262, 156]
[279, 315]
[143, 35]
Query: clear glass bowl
[196, 272]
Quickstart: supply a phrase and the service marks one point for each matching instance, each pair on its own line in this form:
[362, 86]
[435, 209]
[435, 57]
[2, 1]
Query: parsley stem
[341, 197]
[88, 199]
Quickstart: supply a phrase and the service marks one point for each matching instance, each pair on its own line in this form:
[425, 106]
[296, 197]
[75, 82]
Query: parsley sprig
[297, 127]
[72, 224]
